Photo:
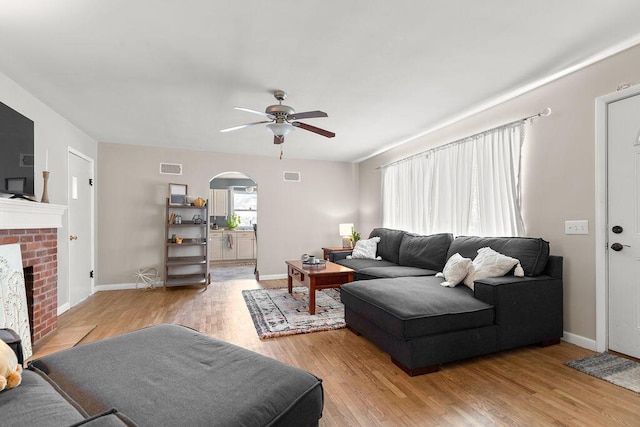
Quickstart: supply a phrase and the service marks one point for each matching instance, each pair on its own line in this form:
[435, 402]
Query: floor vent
[170, 169]
[291, 176]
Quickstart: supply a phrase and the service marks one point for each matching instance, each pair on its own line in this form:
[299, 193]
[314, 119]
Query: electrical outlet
[576, 227]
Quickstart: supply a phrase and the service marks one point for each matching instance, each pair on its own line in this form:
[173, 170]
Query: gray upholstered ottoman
[169, 375]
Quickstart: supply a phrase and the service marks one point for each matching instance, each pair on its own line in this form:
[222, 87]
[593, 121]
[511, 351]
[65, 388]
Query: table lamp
[345, 232]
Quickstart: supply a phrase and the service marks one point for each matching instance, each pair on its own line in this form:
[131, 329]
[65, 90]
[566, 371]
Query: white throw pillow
[455, 270]
[366, 249]
[489, 263]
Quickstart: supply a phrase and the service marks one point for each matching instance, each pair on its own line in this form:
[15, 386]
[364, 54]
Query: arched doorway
[234, 221]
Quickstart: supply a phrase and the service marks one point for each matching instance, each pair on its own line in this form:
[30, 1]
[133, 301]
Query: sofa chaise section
[422, 324]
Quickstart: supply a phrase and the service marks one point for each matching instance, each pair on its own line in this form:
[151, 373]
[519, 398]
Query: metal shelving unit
[186, 260]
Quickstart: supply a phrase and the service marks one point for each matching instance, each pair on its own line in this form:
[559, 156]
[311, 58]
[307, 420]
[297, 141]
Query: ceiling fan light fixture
[280, 129]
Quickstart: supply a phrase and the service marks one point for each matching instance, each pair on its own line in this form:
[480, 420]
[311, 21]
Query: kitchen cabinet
[231, 245]
[185, 247]
[220, 201]
[215, 246]
[245, 242]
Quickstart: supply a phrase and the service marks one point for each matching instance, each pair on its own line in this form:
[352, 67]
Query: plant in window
[233, 221]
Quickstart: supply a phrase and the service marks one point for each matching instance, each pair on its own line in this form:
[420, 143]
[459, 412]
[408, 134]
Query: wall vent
[170, 169]
[291, 176]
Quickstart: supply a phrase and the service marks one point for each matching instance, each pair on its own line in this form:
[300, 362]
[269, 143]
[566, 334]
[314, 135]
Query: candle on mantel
[46, 160]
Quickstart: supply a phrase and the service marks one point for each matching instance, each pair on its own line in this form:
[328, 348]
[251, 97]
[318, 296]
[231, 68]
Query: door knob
[618, 246]
[72, 237]
[617, 229]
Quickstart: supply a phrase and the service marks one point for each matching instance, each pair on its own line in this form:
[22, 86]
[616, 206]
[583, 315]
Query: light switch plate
[576, 227]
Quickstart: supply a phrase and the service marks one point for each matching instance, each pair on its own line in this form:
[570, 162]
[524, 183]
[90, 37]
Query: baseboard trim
[579, 340]
[64, 307]
[272, 276]
[115, 287]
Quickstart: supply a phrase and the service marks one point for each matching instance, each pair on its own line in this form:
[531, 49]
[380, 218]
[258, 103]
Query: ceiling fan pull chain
[280, 152]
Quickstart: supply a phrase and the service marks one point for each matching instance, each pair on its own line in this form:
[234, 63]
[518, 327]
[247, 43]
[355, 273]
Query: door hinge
[91, 274]
[91, 182]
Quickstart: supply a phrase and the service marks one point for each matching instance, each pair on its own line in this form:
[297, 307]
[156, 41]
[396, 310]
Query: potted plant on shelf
[233, 221]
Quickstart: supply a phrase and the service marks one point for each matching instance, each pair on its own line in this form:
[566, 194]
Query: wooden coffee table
[317, 277]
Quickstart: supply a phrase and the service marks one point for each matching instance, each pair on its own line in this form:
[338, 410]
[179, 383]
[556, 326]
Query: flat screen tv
[16, 153]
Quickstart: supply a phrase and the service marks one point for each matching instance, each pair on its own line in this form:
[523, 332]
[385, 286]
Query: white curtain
[468, 187]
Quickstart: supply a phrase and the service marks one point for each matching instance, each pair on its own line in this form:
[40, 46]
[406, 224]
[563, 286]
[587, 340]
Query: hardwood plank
[526, 386]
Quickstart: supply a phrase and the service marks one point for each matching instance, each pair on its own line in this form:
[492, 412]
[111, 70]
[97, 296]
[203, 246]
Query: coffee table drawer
[299, 276]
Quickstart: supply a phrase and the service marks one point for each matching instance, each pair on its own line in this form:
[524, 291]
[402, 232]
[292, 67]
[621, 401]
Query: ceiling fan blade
[307, 115]
[314, 129]
[249, 110]
[245, 126]
[278, 139]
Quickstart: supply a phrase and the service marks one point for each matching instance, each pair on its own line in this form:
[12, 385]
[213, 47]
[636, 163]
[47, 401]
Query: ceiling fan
[283, 119]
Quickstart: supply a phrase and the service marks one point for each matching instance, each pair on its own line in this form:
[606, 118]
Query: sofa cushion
[455, 270]
[36, 403]
[365, 249]
[389, 246]
[411, 307]
[360, 264]
[172, 375]
[396, 271]
[532, 253]
[489, 263]
[110, 418]
[428, 252]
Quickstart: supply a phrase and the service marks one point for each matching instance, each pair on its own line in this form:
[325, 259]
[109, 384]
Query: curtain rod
[544, 113]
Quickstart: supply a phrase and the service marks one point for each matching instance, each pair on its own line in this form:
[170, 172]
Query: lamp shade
[346, 229]
[280, 129]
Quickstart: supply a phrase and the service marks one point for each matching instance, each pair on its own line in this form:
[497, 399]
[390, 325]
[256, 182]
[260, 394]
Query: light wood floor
[528, 386]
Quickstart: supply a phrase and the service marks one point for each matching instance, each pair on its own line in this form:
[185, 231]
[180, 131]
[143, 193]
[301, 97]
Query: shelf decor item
[177, 194]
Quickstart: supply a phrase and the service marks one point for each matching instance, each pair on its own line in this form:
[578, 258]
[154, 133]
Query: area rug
[617, 370]
[276, 313]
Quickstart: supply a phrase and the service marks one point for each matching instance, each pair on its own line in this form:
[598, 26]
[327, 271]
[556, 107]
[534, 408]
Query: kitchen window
[245, 205]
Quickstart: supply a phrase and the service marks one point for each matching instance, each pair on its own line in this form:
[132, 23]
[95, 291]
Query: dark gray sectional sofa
[399, 304]
[165, 375]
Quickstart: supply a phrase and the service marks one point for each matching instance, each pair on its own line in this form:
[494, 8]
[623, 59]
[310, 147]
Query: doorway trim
[602, 266]
[242, 175]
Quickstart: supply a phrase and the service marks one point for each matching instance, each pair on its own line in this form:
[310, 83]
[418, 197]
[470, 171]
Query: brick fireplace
[39, 248]
[35, 227]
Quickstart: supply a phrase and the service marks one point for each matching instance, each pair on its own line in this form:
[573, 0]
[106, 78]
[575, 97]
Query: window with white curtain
[468, 187]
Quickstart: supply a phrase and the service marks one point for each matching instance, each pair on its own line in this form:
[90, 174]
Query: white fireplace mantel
[24, 214]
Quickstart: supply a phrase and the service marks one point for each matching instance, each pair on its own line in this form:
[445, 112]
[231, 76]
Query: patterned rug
[276, 313]
[615, 369]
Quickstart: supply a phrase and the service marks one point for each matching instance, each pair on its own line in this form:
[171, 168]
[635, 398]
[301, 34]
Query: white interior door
[623, 193]
[80, 229]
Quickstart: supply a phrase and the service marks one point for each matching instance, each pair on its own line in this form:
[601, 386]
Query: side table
[330, 250]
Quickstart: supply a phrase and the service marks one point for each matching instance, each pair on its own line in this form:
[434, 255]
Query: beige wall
[55, 134]
[558, 168]
[293, 218]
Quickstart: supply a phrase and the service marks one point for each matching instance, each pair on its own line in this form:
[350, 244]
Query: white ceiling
[169, 72]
